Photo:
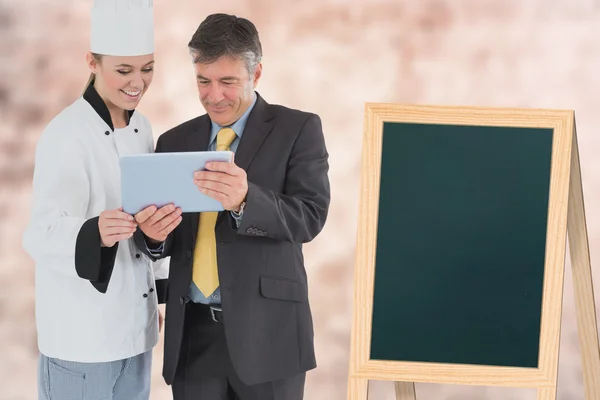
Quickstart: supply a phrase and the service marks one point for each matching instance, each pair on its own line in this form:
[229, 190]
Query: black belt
[213, 311]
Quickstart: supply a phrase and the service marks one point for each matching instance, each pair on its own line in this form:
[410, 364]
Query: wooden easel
[566, 214]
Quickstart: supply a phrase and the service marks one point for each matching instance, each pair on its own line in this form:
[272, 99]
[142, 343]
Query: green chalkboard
[461, 242]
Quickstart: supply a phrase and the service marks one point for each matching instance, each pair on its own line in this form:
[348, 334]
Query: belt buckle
[212, 312]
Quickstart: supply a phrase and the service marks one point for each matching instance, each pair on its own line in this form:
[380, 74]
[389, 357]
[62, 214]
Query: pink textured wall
[327, 57]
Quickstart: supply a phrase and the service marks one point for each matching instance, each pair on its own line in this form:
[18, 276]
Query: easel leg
[405, 391]
[582, 279]
[546, 394]
[358, 389]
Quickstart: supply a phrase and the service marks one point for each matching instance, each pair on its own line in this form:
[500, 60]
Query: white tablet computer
[167, 178]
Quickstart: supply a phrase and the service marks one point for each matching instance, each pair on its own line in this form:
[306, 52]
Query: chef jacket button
[145, 295]
[135, 130]
[151, 290]
[107, 133]
[137, 256]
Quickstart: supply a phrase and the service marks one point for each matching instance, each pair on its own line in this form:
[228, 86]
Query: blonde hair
[97, 58]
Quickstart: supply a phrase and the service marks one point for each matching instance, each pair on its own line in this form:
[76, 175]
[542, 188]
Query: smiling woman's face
[122, 81]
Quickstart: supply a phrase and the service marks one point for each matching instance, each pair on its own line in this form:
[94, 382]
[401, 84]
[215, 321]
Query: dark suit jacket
[264, 289]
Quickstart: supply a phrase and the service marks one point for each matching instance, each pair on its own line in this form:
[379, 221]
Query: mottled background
[328, 57]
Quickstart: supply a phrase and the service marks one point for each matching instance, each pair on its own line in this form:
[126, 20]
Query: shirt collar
[93, 98]
[238, 126]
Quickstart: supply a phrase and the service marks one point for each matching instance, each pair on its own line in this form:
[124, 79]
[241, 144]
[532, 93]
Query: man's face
[226, 89]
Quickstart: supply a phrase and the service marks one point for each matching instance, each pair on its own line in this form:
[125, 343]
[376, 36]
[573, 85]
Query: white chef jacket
[76, 177]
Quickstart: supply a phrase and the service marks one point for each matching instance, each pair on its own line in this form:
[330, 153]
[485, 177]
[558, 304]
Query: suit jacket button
[181, 300]
[189, 254]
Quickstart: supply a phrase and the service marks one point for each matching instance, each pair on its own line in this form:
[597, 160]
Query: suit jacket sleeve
[298, 213]
[143, 245]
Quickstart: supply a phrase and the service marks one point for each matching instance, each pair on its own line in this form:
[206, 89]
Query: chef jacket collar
[92, 97]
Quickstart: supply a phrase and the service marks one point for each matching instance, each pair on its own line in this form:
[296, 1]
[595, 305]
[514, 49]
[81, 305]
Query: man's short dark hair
[226, 35]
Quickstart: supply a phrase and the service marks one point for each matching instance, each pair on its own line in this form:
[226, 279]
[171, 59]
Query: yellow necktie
[204, 269]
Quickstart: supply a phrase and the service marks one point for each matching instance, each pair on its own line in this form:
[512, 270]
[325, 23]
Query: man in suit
[238, 322]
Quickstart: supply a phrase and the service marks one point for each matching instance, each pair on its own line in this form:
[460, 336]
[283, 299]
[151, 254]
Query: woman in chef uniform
[96, 296]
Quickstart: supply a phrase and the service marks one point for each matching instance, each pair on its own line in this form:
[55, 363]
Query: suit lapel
[197, 140]
[258, 127]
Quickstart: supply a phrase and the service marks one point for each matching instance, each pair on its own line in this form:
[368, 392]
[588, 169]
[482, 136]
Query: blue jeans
[127, 379]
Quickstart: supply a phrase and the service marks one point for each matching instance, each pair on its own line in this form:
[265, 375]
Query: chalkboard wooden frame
[565, 212]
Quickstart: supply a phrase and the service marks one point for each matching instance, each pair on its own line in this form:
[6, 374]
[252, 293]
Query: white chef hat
[122, 27]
